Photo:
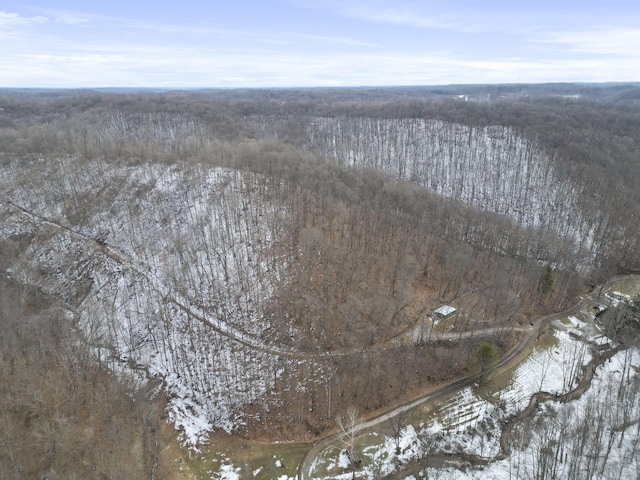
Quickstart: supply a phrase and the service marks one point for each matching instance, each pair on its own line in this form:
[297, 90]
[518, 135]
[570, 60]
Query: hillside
[272, 263]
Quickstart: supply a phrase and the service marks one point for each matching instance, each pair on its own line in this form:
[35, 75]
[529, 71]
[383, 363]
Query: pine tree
[548, 280]
[486, 355]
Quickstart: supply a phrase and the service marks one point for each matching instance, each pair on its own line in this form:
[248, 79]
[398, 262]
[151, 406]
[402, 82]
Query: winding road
[303, 473]
[453, 387]
[196, 312]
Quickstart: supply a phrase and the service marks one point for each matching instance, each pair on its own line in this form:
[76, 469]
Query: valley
[254, 266]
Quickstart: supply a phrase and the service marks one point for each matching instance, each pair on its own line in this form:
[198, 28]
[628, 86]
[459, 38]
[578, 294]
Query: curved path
[221, 327]
[451, 388]
[197, 312]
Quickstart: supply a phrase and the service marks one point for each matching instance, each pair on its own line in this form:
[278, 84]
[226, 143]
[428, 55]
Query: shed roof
[445, 310]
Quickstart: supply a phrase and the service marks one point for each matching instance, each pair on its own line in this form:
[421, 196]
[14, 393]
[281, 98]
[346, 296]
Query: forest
[259, 261]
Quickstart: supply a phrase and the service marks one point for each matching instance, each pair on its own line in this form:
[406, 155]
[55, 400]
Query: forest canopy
[309, 230]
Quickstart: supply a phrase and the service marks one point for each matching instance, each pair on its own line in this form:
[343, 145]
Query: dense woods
[242, 245]
[61, 415]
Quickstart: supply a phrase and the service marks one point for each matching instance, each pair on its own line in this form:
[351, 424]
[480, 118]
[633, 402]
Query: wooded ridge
[258, 251]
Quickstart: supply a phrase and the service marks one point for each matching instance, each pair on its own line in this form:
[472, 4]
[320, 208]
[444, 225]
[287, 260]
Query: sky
[310, 43]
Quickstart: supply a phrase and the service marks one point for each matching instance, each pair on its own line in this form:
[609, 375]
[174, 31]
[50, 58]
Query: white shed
[444, 312]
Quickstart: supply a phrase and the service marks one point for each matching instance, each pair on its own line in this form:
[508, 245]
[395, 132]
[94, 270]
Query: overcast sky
[288, 43]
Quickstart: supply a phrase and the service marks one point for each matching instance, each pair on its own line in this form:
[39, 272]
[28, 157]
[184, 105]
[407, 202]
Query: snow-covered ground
[467, 425]
[554, 370]
[179, 293]
[595, 436]
[195, 239]
[493, 168]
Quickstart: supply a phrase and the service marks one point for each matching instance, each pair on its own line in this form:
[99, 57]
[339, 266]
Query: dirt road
[451, 388]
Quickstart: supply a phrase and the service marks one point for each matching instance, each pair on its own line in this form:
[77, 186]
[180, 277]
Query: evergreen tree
[548, 280]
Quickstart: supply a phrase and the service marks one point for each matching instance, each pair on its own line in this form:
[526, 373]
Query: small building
[444, 312]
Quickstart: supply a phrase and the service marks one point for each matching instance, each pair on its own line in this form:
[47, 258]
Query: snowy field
[467, 426]
[598, 434]
[554, 370]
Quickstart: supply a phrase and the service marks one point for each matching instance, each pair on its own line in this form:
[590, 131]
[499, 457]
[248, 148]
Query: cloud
[424, 15]
[15, 27]
[191, 68]
[328, 39]
[69, 19]
[529, 20]
[56, 49]
[618, 41]
[11, 22]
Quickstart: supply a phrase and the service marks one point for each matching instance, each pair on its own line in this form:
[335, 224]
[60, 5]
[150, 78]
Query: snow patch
[228, 472]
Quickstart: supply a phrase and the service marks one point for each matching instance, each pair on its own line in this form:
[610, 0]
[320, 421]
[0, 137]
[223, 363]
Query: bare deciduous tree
[349, 424]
